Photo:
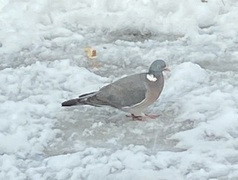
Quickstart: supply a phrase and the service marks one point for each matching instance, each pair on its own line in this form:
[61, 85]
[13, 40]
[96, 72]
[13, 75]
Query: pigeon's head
[157, 67]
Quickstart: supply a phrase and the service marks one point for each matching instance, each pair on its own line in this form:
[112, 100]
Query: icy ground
[42, 63]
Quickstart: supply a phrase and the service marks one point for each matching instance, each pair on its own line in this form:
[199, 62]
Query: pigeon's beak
[166, 69]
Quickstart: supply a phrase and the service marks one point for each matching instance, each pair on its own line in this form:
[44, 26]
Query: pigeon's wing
[124, 92]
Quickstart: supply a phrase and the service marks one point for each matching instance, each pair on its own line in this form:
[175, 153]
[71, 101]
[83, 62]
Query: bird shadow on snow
[85, 127]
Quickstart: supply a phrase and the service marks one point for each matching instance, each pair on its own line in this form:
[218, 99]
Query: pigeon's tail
[81, 100]
[71, 102]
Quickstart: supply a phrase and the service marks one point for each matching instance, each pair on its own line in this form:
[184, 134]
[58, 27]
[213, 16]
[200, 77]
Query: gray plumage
[131, 94]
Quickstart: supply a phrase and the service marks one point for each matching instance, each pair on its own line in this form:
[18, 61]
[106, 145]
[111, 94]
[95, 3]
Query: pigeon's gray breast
[153, 91]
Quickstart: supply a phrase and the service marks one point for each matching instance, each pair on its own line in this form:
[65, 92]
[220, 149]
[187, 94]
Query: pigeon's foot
[136, 118]
[141, 118]
[152, 116]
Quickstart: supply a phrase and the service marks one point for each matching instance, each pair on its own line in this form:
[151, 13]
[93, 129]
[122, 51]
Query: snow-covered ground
[42, 63]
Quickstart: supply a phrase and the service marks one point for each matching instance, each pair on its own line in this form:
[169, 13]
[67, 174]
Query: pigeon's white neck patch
[151, 77]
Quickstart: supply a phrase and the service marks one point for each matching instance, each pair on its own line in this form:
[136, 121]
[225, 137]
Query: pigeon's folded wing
[127, 91]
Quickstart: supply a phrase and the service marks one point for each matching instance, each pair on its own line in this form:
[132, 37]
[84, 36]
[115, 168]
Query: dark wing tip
[71, 102]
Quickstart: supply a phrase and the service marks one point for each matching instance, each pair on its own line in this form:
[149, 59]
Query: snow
[43, 62]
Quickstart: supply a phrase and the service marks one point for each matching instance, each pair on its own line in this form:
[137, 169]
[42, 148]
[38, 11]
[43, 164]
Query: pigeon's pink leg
[152, 116]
